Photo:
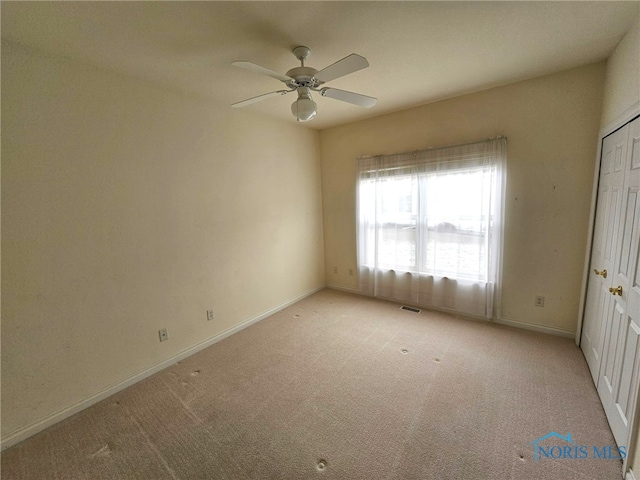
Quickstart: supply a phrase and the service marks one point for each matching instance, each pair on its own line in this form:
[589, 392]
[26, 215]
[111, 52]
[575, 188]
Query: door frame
[608, 129]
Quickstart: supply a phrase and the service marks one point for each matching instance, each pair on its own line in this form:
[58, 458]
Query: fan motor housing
[303, 76]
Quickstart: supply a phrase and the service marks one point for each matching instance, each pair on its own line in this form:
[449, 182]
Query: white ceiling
[419, 52]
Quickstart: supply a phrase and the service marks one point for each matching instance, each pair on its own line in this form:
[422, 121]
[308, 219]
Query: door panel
[629, 366]
[593, 332]
[618, 391]
[610, 364]
[629, 227]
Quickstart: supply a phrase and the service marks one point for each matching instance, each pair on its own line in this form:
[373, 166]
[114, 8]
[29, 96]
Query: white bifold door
[598, 303]
[611, 329]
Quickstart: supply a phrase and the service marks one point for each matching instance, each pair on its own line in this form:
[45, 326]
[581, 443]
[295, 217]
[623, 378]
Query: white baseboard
[344, 289]
[36, 427]
[501, 321]
[536, 328]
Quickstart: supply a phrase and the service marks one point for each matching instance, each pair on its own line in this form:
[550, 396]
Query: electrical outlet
[539, 301]
[335, 269]
[164, 335]
[210, 315]
[351, 272]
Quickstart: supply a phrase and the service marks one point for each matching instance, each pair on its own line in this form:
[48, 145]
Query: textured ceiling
[419, 52]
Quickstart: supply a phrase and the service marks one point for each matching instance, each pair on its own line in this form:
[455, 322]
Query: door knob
[601, 272]
[616, 291]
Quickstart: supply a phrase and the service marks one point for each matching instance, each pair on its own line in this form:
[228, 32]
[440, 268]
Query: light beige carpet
[341, 386]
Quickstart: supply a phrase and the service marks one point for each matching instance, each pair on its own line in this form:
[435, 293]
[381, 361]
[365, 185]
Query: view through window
[435, 215]
[447, 236]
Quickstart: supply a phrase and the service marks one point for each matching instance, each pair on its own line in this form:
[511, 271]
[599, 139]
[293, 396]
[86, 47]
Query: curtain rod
[415, 152]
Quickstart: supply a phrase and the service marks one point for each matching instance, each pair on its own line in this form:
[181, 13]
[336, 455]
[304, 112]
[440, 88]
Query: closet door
[620, 364]
[598, 308]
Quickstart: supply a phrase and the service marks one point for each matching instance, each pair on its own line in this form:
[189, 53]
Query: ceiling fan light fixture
[304, 79]
[304, 108]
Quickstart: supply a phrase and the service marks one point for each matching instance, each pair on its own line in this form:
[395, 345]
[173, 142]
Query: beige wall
[127, 208]
[622, 78]
[621, 93]
[552, 125]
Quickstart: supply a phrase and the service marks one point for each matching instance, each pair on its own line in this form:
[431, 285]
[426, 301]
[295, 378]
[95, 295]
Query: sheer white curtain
[429, 226]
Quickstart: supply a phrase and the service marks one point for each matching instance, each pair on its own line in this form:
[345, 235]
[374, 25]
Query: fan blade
[347, 65]
[350, 97]
[264, 71]
[259, 98]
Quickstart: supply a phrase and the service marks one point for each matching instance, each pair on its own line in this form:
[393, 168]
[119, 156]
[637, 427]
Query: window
[430, 228]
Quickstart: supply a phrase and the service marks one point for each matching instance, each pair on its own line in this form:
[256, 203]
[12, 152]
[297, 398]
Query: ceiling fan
[304, 80]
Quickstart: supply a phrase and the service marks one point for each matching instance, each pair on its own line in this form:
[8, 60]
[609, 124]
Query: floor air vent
[410, 309]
